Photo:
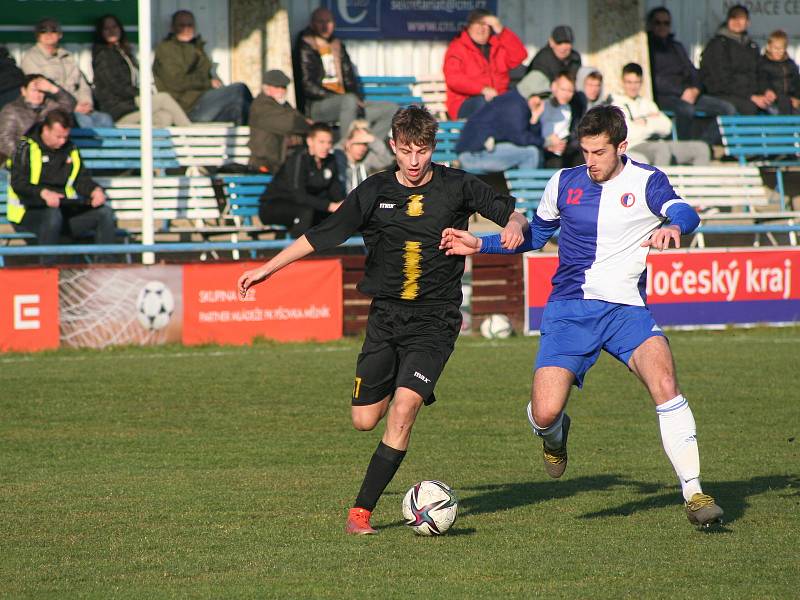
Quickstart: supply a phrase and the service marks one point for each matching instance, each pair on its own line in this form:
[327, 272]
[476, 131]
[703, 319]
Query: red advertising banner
[698, 287]
[301, 302]
[28, 309]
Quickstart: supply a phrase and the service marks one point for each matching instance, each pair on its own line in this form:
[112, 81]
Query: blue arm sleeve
[684, 216]
[538, 232]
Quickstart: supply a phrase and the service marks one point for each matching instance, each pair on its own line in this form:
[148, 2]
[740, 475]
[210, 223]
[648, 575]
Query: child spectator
[275, 125]
[38, 96]
[48, 59]
[183, 69]
[648, 127]
[505, 133]
[778, 72]
[558, 56]
[116, 79]
[589, 91]
[307, 187]
[360, 155]
[478, 61]
[559, 121]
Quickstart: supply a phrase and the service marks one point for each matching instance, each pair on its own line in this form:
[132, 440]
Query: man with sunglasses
[49, 59]
[676, 81]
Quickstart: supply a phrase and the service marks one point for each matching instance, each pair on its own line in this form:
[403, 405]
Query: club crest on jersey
[414, 207]
[627, 199]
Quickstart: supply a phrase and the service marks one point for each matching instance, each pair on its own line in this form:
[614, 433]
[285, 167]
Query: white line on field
[464, 343]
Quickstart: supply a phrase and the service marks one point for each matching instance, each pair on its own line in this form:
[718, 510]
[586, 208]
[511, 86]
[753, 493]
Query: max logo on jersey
[414, 207]
[627, 199]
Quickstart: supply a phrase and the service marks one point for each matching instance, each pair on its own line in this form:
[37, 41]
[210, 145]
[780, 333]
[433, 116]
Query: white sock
[679, 437]
[552, 435]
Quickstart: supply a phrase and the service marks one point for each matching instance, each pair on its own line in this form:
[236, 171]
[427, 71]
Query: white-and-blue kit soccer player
[610, 211]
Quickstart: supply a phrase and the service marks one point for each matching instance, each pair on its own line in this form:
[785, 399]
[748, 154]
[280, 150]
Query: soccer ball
[430, 507]
[496, 327]
[154, 305]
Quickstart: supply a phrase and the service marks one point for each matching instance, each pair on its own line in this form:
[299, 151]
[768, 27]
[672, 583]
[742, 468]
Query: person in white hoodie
[649, 128]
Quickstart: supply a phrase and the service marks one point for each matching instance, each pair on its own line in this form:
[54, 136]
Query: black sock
[384, 464]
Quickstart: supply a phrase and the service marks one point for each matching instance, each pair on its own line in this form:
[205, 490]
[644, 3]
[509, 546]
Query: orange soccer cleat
[358, 522]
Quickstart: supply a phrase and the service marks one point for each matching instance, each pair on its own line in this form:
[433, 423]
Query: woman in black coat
[116, 80]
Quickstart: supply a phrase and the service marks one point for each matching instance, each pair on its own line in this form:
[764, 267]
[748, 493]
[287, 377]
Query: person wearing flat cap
[558, 56]
[275, 126]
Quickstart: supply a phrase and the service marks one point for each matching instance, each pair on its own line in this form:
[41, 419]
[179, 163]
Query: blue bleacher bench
[446, 139]
[763, 140]
[527, 186]
[389, 89]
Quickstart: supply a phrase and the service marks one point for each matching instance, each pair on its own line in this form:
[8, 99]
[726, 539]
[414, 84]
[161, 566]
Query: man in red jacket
[477, 63]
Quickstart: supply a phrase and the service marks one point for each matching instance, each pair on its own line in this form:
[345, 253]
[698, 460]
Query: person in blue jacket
[505, 133]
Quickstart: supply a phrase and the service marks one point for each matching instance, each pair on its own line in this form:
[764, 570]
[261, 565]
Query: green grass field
[227, 472]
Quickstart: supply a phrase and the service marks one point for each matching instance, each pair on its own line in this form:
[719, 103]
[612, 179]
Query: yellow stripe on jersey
[414, 207]
[412, 269]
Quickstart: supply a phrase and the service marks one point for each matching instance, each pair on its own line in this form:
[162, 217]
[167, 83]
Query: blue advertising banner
[403, 19]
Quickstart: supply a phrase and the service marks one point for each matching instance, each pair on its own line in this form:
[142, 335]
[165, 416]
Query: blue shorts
[574, 331]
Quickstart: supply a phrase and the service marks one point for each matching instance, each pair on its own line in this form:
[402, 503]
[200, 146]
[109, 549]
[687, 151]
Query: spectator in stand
[648, 127]
[478, 61]
[589, 91]
[778, 72]
[116, 79]
[729, 66]
[505, 133]
[183, 69]
[360, 155]
[275, 125]
[558, 56]
[38, 96]
[51, 192]
[307, 188]
[11, 78]
[48, 59]
[329, 86]
[676, 82]
[559, 120]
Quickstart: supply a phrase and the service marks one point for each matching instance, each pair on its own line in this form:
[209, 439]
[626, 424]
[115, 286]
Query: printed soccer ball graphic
[496, 327]
[430, 507]
[154, 305]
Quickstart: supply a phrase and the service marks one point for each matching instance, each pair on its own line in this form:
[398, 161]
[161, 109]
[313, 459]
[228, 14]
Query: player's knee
[363, 422]
[544, 416]
[666, 387]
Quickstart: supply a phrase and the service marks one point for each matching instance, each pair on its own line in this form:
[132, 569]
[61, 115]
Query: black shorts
[406, 346]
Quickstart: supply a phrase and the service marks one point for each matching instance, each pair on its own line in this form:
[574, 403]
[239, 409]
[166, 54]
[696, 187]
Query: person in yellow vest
[51, 193]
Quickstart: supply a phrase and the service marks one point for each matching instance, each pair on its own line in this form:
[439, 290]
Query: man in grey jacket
[51, 60]
[38, 97]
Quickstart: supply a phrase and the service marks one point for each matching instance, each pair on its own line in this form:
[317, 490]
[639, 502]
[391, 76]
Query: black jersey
[402, 227]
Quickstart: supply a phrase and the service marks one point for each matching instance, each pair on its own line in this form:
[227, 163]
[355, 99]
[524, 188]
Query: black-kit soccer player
[415, 316]
[611, 211]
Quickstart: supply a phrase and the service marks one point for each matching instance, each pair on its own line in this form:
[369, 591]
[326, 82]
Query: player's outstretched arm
[460, 242]
[295, 251]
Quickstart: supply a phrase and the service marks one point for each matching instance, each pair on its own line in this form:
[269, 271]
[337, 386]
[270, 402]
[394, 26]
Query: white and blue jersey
[603, 226]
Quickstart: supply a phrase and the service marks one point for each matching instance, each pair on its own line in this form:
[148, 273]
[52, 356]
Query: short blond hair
[778, 35]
